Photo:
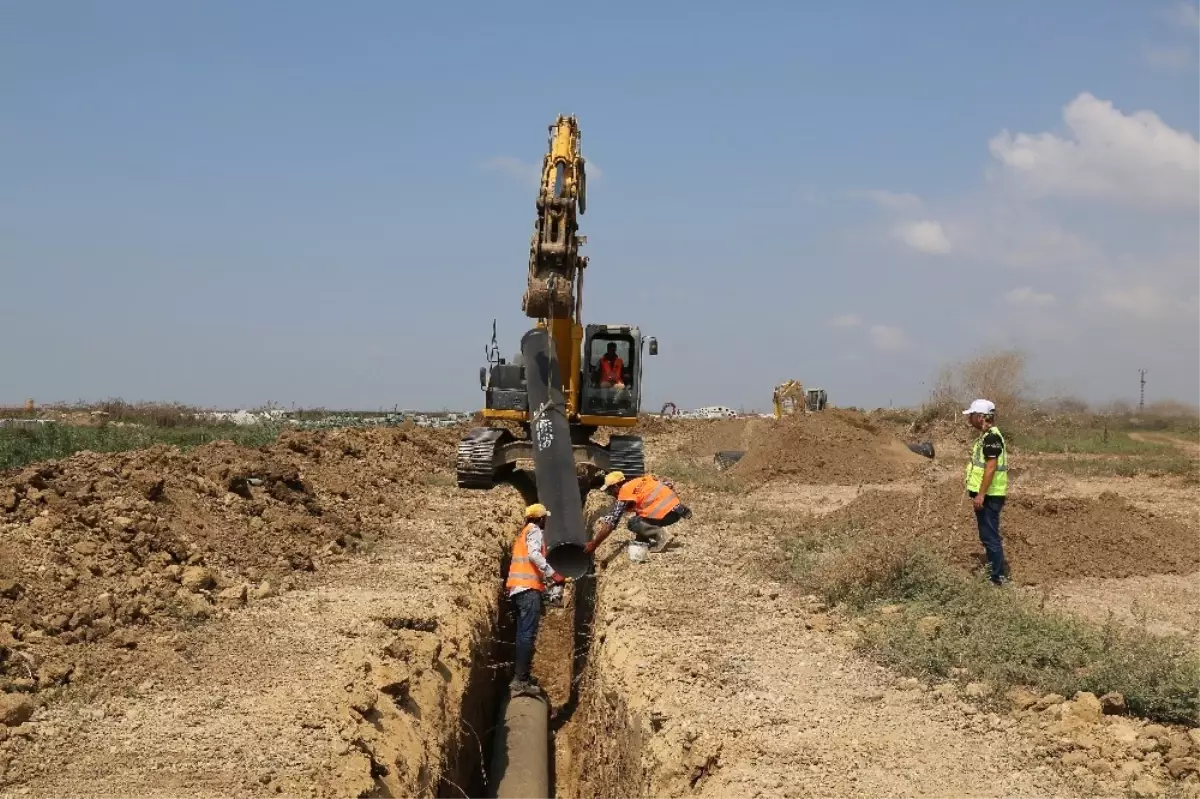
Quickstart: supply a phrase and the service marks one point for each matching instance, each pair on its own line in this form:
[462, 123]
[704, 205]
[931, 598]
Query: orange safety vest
[611, 371]
[650, 497]
[522, 573]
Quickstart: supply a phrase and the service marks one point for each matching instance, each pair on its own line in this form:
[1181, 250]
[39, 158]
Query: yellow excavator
[790, 397]
[546, 405]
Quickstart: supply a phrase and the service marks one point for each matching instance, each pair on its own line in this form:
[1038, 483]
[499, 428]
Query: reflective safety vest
[974, 473]
[611, 371]
[522, 573]
[650, 497]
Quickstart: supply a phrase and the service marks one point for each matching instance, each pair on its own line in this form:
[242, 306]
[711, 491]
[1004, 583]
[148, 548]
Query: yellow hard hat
[612, 478]
[536, 511]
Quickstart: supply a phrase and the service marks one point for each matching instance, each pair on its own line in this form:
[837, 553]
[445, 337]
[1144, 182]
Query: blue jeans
[529, 614]
[988, 519]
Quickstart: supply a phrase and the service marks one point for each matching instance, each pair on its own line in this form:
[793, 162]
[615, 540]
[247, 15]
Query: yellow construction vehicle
[790, 396]
[556, 392]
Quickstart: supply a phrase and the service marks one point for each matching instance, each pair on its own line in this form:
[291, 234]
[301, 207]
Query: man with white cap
[986, 480]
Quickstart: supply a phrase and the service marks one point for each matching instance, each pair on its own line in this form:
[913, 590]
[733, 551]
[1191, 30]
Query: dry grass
[951, 620]
[701, 475]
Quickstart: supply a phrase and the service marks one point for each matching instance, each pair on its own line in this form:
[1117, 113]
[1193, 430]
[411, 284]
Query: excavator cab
[601, 394]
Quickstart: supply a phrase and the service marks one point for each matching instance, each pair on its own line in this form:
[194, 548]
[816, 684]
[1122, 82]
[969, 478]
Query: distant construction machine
[790, 396]
[546, 406]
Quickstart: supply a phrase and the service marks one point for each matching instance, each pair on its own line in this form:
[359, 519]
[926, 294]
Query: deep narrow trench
[465, 774]
[560, 665]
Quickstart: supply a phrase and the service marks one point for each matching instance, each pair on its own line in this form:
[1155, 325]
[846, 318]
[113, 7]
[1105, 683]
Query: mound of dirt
[100, 546]
[703, 438]
[837, 447]
[1045, 539]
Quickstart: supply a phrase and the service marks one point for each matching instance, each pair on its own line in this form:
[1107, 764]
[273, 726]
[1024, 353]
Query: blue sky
[327, 204]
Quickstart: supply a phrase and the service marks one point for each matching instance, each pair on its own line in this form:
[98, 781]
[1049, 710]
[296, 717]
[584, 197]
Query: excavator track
[627, 454]
[476, 462]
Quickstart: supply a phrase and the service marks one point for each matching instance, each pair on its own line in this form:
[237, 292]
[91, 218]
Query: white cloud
[926, 236]
[884, 337]
[1024, 295]
[529, 174]
[893, 201]
[1184, 15]
[1128, 159]
[846, 321]
[1173, 59]
[1144, 302]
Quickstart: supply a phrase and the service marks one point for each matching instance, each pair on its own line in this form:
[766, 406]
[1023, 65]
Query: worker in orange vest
[528, 572]
[654, 505]
[612, 368]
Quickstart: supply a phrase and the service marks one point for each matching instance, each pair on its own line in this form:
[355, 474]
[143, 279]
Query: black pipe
[520, 767]
[553, 456]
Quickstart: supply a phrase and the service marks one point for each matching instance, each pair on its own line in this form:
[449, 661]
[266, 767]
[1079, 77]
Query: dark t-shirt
[993, 445]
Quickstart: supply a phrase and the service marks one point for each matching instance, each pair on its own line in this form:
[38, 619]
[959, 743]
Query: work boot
[659, 540]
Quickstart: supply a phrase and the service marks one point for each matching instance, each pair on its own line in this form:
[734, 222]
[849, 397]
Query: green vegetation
[951, 620]
[1168, 463]
[698, 474]
[1098, 442]
[20, 446]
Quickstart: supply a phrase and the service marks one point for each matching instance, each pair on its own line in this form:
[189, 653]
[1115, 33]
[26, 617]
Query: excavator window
[610, 375]
[601, 349]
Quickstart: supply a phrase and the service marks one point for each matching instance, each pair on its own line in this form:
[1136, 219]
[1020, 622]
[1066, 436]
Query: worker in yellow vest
[652, 501]
[528, 572]
[986, 479]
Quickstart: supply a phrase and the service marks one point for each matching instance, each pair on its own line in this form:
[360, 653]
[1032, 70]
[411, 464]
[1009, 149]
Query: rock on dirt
[15, 709]
[196, 578]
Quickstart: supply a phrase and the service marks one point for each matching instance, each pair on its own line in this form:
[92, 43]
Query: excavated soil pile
[835, 447]
[703, 438]
[98, 546]
[1045, 539]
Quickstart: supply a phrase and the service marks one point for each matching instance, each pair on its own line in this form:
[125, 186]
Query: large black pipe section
[553, 457]
[520, 767]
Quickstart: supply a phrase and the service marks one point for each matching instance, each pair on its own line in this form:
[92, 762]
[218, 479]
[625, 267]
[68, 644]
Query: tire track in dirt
[1191, 447]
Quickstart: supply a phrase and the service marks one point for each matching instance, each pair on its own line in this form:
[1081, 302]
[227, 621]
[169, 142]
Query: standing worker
[527, 575]
[654, 504]
[987, 483]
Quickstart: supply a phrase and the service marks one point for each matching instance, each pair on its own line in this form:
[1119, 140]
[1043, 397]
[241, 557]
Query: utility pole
[1142, 395]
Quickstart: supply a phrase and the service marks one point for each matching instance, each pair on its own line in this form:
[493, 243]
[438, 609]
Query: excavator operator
[654, 503]
[612, 368]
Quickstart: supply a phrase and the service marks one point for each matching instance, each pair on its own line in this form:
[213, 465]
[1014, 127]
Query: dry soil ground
[321, 618]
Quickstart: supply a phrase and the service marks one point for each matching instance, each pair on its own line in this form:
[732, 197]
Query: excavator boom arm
[554, 285]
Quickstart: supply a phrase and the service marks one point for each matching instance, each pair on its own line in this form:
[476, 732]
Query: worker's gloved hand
[602, 527]
[558, 579]
[589, 547]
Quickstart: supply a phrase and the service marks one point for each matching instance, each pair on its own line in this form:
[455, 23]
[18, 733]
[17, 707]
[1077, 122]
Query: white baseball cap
[983, 406]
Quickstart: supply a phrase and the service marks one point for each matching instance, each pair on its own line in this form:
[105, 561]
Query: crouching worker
[654, 505]
[527, 575]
